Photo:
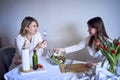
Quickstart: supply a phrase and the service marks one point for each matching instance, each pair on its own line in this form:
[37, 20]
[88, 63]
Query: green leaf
[117, 55]
[103, 62]
[108, 56]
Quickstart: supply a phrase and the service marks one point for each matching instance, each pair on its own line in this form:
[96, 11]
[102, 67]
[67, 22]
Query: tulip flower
[111, 50]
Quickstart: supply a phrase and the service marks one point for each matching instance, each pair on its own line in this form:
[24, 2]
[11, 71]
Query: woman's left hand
[90, 64]
[42, 44]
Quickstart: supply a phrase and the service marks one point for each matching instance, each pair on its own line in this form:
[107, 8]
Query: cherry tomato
[40, 66]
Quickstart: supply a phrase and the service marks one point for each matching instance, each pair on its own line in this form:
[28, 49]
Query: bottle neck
[35, 53]
[25, 45]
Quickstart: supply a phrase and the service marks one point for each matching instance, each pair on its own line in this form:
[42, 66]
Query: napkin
[118, 70]
[104, 74]
[76, 77]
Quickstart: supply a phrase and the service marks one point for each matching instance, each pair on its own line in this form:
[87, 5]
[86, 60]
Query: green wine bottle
[35, 60]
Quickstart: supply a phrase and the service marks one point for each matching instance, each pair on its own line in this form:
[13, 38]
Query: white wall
[63, 20]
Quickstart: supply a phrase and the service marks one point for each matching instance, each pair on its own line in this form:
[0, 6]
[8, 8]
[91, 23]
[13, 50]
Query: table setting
[55, 66]
[51, 67]
[53, 72]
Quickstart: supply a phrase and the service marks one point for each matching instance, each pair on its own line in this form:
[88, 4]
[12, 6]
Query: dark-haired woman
[96, 28]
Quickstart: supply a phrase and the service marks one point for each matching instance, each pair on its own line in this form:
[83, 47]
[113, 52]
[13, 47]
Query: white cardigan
[19, 41]
[94, 56]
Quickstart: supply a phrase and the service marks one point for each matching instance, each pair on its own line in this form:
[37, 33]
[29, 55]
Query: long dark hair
[98, 24]
[25, 23]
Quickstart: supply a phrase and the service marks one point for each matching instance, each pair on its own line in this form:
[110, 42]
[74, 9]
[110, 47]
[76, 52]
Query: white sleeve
[19, 41]
[100, 57]
[77, 47]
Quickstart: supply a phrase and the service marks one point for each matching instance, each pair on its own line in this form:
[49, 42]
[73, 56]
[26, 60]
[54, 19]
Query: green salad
[58, 58]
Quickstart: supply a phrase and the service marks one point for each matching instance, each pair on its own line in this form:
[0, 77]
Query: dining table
[50, 72]
[53, 72]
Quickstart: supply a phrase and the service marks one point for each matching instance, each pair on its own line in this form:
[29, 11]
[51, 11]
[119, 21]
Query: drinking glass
[91, 73]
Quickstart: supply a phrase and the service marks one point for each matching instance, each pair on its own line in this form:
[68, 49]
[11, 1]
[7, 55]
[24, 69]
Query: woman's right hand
[90, 64]
[57, 50]
[18, 61]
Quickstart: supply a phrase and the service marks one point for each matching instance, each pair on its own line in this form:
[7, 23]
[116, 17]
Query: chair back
[7, 56]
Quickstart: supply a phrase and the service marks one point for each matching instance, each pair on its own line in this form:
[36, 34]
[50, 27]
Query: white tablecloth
[52, 72]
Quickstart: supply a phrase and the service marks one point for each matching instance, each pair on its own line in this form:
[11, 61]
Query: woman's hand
[18, 61]
[57, 50]
[90, 64]
[42, 44]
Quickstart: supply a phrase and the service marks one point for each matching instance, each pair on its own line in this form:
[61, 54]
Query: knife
[68, 66]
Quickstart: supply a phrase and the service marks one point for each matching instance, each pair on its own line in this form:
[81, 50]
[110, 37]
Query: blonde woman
[28, 32]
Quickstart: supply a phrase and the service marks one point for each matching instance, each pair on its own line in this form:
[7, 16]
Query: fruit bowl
[57, 58]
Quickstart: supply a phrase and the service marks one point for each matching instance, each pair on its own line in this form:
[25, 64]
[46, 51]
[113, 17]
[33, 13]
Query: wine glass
[44, 34]
[91, 73]
[44, 37]
[80, 75]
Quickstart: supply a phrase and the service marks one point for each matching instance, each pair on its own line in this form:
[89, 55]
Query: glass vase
[113, 68]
